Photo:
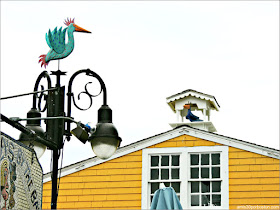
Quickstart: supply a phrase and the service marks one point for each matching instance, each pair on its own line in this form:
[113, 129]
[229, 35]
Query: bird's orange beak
[80, 29]
[187, 106]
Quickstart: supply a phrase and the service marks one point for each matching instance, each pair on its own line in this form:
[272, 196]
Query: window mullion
[170, 161]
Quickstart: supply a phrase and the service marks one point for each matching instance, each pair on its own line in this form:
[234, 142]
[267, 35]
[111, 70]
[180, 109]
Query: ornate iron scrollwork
[43, 95]
[70, 94]
[86, 92]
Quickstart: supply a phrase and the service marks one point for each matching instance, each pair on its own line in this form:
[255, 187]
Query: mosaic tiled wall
[21, 176]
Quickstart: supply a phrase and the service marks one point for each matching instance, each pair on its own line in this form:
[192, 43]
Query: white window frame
[185, 173]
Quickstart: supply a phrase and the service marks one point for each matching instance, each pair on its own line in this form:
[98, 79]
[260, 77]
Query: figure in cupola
[190, 116]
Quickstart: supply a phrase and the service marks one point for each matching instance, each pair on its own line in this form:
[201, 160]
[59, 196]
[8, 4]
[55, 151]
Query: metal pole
[58, 109]
[55, 158]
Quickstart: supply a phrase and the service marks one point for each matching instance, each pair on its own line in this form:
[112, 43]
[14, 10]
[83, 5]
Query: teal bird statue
[56, 42]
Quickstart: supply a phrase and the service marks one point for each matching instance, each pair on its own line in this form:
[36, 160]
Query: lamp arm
[28, 132]
[44, 74]
[70, 94]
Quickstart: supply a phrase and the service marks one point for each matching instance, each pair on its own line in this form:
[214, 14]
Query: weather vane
[56, 42]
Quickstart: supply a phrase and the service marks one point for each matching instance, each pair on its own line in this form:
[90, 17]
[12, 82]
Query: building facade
[206, 170]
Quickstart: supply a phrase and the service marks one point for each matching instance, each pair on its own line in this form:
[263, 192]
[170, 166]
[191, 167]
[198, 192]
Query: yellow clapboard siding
[116, 184]
[83, 204]
[130, 158]
[70, 192]
[255, 194]
[126, 207]
[102, 205]
[254, 174]
[47, 192]
[266, 167]
[233, 149]
[119, 204]
[89, 192]
[127, 171]
[100, 178]
[254, 201]
[133, 164]
[186, 137]
[255, 161]
[95, 185]
[124, 190]
[120, 197]
[64, 205]
[48, 199]
[254, 206]
[266, 160]
[114, 171]
[77, 198]
[166, 144]
[255, 187]
[82, 198]
[185, 143]
[47, 185]
[203, 143]
[136, 153]
[254, 181]
[243, 161]
[245, 154]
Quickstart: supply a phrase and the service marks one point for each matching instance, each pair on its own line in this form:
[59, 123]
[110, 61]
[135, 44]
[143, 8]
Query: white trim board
[179, 131]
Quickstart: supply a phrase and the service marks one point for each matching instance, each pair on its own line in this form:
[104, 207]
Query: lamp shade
[105, 140]
[30, 142]
[34, 125]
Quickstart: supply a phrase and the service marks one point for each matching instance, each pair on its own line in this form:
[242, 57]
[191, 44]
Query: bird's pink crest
[69, 21]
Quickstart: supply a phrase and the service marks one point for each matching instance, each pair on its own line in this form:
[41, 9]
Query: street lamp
[34, 125]
[105, 132]
[104, 138]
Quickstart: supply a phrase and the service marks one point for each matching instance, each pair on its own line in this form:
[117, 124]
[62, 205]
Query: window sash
[161, 167]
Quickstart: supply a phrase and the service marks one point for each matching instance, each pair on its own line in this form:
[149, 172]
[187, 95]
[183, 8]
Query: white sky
[145, 52]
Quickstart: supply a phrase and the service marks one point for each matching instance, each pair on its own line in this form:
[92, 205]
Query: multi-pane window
[199, 175]
[205, 179]
[164, 168]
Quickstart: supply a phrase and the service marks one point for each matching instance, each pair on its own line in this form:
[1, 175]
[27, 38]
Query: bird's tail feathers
[43, 60]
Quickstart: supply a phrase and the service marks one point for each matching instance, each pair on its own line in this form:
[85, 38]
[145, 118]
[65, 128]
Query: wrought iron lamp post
[104, 139]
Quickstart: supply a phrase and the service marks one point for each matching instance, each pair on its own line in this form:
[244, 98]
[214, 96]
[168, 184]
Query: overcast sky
[145, 52]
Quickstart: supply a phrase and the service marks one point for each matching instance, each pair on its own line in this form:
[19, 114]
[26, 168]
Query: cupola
[193, 108]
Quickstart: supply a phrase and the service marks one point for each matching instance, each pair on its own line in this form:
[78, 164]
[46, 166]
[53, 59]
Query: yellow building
[207, 170]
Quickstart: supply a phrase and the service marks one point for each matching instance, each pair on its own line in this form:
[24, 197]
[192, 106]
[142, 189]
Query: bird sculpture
[56, 42]
[190, 116]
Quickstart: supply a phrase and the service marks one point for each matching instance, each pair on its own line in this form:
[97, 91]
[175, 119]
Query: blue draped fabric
[166, 198]
[192, 117]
